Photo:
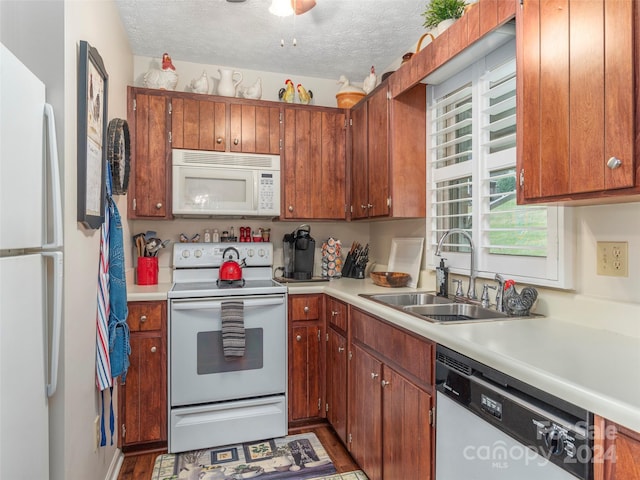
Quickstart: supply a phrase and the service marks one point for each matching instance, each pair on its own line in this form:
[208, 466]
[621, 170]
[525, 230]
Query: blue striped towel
[233, 336]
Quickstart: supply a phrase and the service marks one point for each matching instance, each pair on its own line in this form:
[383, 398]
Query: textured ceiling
[336, 37]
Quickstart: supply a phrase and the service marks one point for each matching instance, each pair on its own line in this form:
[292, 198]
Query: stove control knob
[250, 252]
[555, 439]
[262, 252]
[198, 253]
[186, 253]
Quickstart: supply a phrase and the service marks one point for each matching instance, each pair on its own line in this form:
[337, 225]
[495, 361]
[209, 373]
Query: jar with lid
[225, 236]
[216, 236]
[207, 236]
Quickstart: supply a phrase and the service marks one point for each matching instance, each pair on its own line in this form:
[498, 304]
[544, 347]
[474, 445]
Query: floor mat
[296, 457]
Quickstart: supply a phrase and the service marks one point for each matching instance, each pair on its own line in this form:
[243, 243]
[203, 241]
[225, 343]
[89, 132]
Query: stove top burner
[230, 283]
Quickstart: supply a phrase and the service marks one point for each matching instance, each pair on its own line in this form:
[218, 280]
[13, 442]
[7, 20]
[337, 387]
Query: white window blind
[472, 180]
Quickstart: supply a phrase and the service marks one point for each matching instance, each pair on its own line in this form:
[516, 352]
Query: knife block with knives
[356, 261]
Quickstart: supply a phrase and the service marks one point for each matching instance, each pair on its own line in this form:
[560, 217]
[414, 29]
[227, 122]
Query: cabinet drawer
[337, 313]
[144, 316]
[304, 307]
[410, 353]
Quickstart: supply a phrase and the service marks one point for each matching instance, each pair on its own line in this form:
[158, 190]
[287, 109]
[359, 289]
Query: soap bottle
[442, 279]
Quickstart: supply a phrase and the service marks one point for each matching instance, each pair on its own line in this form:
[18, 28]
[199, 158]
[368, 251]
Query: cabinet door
[365, 410]
[149, 192]
[407, 431]
[336, 383]
[616, 452]
[576, 98]
[314, 164]
[198, 124]
[304, 371]
[378, 158]
[337, 314]
[254, 129]
[359, 164]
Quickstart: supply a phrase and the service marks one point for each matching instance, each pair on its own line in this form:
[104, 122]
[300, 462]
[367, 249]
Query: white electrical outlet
[613, 259]
[96, 433]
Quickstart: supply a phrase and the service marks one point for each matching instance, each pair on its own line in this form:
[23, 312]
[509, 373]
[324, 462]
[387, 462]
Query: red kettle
[230, 270]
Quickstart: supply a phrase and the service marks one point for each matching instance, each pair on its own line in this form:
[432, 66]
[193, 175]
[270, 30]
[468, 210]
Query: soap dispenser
[442, 279]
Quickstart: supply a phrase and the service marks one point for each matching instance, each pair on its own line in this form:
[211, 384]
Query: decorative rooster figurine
[165, 79]
[304, 95]
[370, 82]
[287, 93]
[200, 85]
[518, 304]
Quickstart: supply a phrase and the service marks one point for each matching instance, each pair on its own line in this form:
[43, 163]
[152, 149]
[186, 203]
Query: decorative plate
[118, 155]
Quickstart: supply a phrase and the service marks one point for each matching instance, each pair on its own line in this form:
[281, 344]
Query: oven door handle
[217, 304]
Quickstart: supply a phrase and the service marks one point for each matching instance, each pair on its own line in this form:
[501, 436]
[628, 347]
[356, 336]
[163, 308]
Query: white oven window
[211, 359]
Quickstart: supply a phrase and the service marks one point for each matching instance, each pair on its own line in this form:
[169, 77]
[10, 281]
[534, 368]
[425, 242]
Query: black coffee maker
[298, 252]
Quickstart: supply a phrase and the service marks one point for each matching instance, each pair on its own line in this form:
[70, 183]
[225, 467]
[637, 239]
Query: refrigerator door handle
[56, 191]
[57, 320]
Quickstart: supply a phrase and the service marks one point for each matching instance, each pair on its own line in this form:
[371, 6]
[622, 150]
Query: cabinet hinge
[280, 117]
[134, 204]
[432, 416]
[388, 95]
[319, 335]
[319, 404]
[522, 177]
[170, 137]
[135, 104]
[280, 143]
[326, 407]
[389, 202]
[350, 440]
[327, 337]
[351, 122]
[170, 108]
[350, 354]
[124, 430]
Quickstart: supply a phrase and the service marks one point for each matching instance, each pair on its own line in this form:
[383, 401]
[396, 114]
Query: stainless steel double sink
[429, 306]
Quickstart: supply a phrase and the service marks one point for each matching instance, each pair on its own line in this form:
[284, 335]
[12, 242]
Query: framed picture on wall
[93, 88]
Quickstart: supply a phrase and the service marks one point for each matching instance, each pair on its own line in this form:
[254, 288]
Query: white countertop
[593, 368]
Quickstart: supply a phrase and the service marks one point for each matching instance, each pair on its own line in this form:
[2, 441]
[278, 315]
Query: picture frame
[93, 89]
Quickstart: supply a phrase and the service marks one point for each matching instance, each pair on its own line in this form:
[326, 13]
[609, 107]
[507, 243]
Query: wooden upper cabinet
[577, 94]
[388, 167]
[314, 163]
[198, 124]
[149, 189]
[254, 129]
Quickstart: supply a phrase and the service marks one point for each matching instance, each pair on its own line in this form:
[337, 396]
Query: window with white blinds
[472, 180]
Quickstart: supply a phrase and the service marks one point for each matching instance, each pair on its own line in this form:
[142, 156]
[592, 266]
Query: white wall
[98, 22]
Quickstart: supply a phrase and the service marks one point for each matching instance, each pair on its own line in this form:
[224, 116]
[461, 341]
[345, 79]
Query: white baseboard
[116, 464]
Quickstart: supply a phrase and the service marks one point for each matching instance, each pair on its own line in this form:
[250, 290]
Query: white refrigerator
[30, 270]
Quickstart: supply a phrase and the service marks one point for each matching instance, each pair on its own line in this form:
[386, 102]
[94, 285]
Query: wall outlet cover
[613, 259]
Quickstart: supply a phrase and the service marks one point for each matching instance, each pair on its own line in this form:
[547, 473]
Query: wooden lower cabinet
[336, 370]
[390, 400]
[142, 398]
[306, 357]
[616, 452]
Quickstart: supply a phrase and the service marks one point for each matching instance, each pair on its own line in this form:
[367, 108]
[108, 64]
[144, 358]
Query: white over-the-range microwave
[225, 184]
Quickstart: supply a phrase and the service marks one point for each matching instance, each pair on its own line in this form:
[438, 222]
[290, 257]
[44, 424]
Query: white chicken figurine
[201, 84]
[288, 92]
[370, 82]
[304, 95]
[253, 92]
[346, 86]
[165, 78]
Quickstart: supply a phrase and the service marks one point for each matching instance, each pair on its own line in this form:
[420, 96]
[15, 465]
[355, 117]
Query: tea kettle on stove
[230, 270]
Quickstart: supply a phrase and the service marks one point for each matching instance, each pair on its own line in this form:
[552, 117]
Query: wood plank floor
[140, 467]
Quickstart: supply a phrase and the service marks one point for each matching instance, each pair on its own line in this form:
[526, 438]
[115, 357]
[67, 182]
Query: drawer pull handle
[219, 140]
[384, 383]
[158, 206]
[306, 309]
[236, 141]
[153, 349]
[143, 318]
[299, 337]
[334, 313]
[374, 375]
[340, 349]
[614, 163]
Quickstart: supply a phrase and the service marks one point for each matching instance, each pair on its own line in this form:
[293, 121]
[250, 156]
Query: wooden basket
[390, 279]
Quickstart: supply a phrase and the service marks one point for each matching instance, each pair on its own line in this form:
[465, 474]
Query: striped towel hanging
[233, 335]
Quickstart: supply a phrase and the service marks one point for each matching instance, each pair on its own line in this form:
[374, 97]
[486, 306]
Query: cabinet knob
[290, 208]
[363, 207]
[374, 375]
[298, 338]
[614, 163]
[306, 309]
[340, 349]
[143, 318]
[153, 349]
[236, 141]
[334, 313]
[219, 140]
[158, 206]
[384, 383]
[369, 206]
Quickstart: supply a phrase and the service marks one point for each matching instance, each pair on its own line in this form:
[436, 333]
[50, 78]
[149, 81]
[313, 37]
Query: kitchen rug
[296, 457]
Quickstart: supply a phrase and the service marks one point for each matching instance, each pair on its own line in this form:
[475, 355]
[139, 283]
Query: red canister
[147, 270]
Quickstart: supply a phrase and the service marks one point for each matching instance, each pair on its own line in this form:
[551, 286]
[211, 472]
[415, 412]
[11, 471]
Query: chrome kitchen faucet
[471, 291]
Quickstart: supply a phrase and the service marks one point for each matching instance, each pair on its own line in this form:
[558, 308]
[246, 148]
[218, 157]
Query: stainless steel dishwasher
[490, 426]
